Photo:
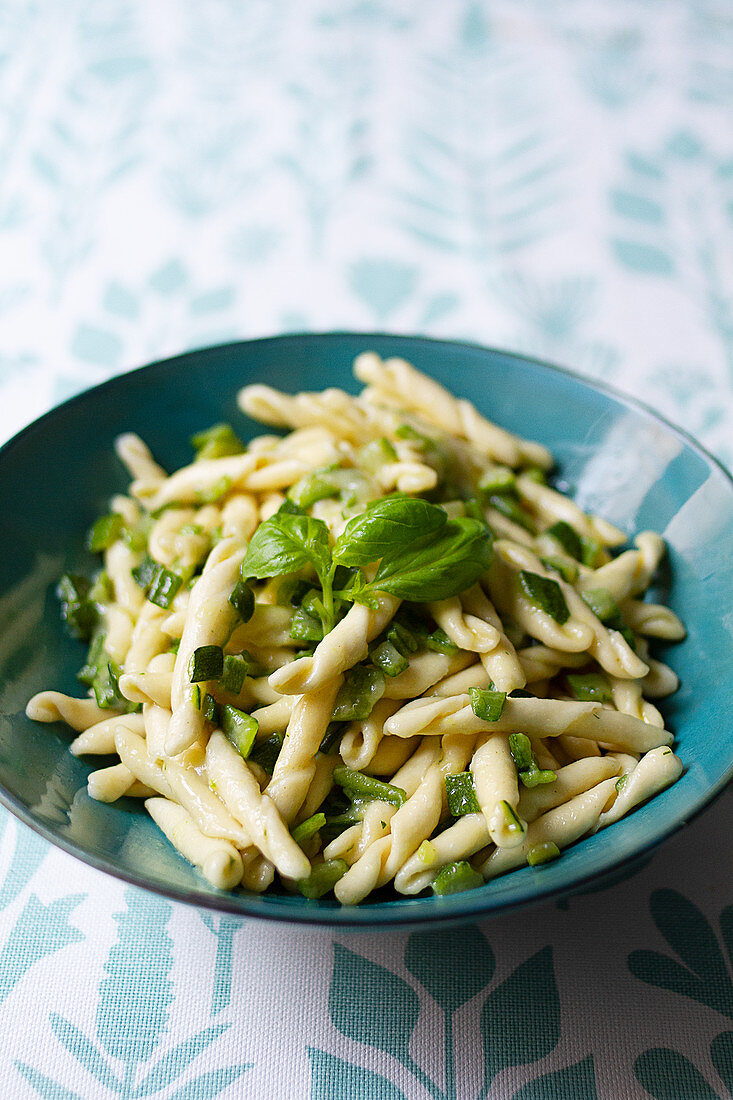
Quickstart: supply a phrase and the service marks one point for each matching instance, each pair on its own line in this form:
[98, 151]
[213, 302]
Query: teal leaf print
[173, 1063]
[721, 1052]
[96, 345]
[29, 852]
[46, 1087]
[137, 987]
[647, 259]
[668, 1075]
[520, 1020]
[452, 970]
[482, 171]
[85, 1052]
[332, 1079]
[639, 207]
[569, 1083]
[383, 285]
[224, 929]
[704, 977]
[40, 930]
[135, 997]
[372, 1005]
[209, 1084]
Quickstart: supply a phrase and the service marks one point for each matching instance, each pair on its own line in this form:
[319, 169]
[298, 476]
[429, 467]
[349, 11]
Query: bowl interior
[618, 460]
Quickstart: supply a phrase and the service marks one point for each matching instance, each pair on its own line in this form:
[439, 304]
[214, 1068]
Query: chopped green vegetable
[361, 689]
[402, 638]
[146, 572]
[602, 604]
[314, 487]
[102, 590]
[567, 537]
[234, 673]
[206, 663]
[388, 658]
[265, 753]
[426, 853]
[621, 782]
[240, 728]
[590, 687]
[510, 508]
[461, 794]
[567, 570]
[159, 583]
[216, 442]
[163, 589]
[210, 708]
[242, 600]
[77, 611]
[308, 828]
[96, 657]
[520, 747]
[439, 642]
[373, 456]
[591, 552]
[513, 824]
[106, 686]
[214, 492]
[366, 786]
[542, 853]
[485, 704]
[106, 530]
[545, 594]
[136, 536]
[305, 628]
[497, 479]
[528, 770]
[322, 878]
[456, 877]
[534, 473]
[334, 733]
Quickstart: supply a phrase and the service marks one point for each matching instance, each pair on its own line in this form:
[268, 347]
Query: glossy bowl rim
[459, 908]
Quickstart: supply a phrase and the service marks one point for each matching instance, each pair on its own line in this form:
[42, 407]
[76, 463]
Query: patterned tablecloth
[552, 177]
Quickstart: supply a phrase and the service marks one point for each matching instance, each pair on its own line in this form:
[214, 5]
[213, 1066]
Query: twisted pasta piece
[295, 766]
[341, 649]
[219, 861]
[209, 622]
[396, 380]
[562, 826]
[535, 717]
[54, 706]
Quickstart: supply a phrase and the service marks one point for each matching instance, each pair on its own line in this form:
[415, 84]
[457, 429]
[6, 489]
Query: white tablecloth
[551, 177]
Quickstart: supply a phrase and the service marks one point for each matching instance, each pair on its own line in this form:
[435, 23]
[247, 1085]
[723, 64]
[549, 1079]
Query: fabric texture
[551, 177]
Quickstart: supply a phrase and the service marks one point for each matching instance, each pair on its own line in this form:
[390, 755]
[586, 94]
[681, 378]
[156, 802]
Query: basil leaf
[452, 561]
[285, 543]
[386, 527]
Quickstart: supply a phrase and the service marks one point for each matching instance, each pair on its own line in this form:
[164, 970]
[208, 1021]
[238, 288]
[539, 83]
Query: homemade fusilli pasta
[380, 650]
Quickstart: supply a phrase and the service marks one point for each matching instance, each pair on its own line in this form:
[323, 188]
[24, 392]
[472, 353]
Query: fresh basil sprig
[388, 527]
[452, 560]
[422, 555]
[286, 543]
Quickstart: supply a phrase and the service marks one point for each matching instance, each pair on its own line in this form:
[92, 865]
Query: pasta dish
[380, 650]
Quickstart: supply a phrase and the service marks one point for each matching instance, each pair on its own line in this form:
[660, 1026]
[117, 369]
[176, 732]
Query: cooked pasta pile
[379, 649]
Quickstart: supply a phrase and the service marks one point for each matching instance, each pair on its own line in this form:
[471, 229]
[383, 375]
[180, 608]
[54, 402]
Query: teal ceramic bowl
[619, 459]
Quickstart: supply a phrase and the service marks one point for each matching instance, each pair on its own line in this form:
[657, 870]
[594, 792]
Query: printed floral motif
[135, 999]
[707, 973]
[518, 1018]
